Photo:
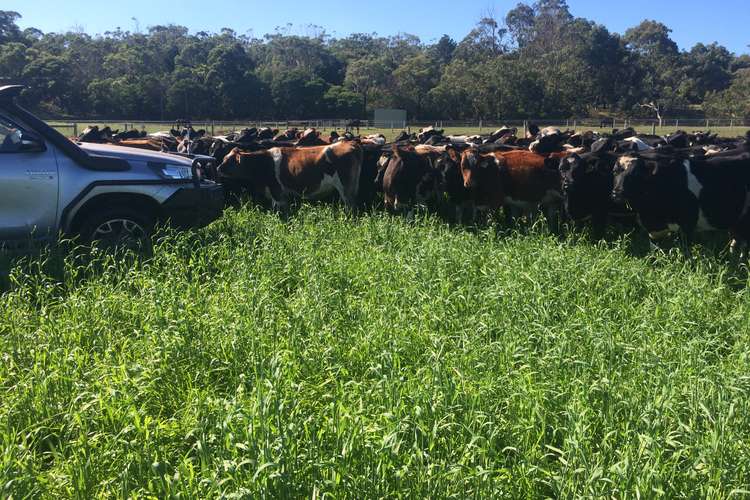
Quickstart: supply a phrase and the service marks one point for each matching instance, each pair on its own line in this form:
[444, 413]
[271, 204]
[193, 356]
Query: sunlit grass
[367, 357]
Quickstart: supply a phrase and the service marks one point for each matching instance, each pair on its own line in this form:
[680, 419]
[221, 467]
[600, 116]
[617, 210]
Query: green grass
[390, 134]
[370, 357]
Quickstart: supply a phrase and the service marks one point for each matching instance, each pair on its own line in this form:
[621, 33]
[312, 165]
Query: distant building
[390, 118]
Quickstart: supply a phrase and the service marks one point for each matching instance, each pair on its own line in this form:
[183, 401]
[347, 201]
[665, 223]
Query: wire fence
[74, 127]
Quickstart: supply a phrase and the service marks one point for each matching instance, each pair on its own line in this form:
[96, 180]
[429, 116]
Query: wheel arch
[133, 201]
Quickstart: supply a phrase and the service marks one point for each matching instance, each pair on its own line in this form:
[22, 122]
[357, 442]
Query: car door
[28, 184]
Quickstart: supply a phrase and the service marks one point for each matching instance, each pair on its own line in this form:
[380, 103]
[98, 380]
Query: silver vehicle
[51, 185]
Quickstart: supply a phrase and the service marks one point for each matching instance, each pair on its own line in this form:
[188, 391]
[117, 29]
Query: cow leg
[411, 212]
[281, 206]
[458, 209]
[738, 248]
[653, 245]
[508, 213]
[391, 204]
[740, 237]
[463, 210]
[279, 199]
[552, 214]
[598, 225]
[655, 236]
[686, 242]
[348, 189]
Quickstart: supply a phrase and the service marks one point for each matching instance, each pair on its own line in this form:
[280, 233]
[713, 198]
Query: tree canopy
[539, 61]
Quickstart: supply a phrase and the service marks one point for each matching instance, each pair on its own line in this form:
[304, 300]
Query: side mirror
[31, 143]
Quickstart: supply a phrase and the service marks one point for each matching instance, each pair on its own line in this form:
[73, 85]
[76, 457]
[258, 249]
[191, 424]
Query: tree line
[539, 61]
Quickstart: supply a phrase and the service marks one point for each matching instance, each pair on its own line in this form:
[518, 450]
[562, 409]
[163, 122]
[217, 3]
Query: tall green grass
[358, 357]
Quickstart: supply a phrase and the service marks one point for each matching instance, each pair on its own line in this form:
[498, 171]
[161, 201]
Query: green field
[363, 357]
[388, 133]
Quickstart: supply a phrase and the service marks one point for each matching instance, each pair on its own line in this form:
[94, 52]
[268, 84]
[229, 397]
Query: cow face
[429, 186]
[572, 168]
[452, 182]
[471, 162]
[576, 199]
[586, 183]
[230, 163]
[630, 179]
[448, 164]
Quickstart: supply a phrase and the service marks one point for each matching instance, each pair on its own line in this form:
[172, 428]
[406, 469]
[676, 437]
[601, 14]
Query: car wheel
[119, 227]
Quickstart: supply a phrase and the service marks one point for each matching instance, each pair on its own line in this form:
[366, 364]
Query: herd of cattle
[683, 182]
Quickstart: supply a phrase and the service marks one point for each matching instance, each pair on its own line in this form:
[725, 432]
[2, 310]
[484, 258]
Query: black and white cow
[671, 193]
[409, 178]
[587, 181]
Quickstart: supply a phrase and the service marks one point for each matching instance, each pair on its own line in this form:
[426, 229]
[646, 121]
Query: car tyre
[118, 227]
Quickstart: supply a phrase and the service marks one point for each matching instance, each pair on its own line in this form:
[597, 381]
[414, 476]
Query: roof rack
[10, 91]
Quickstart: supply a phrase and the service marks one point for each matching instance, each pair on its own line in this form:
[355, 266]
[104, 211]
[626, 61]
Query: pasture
[369, 356]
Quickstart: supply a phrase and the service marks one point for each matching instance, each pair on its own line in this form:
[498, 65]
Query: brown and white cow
[280, 173]
[520, 180]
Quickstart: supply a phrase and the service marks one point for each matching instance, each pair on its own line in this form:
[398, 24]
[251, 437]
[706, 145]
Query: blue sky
[692, 21]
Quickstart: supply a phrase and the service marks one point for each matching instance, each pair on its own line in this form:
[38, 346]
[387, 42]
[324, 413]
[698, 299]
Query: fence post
[653, 128]
[75, 129]
[480, 126]
[575, 124]
[707, 121]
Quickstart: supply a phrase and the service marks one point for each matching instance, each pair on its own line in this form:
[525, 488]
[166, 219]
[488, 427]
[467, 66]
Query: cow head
[631, 175]
[586, 183]
[450, 160]
[469, 164]
[230, 162]
[429, 186]
[473, 164]
[571, 169]
[448, 165]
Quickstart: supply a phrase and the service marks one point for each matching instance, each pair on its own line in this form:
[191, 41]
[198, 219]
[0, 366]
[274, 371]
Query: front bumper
[195, 206]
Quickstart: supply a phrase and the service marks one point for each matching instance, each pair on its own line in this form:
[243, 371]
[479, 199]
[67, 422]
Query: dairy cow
[281, 173]
[520, 180]
[673, 193]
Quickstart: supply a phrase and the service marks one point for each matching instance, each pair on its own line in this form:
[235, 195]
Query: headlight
[177, 172]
